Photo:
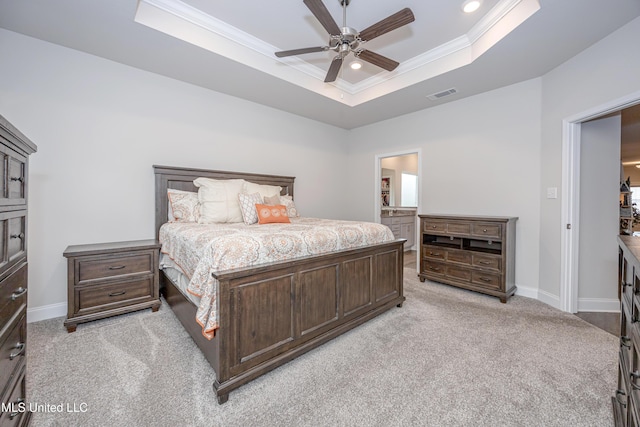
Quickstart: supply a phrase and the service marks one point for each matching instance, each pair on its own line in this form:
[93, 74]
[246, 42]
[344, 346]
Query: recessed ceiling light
[355, 65]
[470, 6]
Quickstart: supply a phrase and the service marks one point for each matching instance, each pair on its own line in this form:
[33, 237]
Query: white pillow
[264, 190]
[248, 207]
[219, 199]
[292, 211]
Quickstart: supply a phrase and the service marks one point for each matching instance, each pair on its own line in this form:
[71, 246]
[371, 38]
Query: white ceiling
[239, 37]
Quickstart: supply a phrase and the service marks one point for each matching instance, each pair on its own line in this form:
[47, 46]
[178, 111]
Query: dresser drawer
[434, 252]
[432, 226]
[434, 268]
[13, 243]
[487, 261]
[459, 228]
[98, 298]
[486, 230]
[13, 346]
[13, 294]
[104, 267]
[487, 280]
[459, 257]
[16, 403]
[13, 176]
[459, 273]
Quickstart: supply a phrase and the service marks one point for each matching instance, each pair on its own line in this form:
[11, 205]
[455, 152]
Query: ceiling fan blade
[379, 60]
[321, 13]
[334, 69]
[390, 23]
[291, 52]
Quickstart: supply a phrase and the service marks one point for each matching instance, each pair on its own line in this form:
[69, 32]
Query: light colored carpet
[448, 357]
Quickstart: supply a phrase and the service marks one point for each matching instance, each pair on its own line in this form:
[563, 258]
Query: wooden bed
[271, 313]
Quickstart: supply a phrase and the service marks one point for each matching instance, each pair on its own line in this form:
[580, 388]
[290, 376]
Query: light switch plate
[552, 193]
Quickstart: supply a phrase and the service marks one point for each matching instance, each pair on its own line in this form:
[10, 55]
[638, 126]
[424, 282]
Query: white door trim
[570, 215]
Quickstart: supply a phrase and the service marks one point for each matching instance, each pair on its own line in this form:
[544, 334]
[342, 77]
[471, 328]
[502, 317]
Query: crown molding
[180, 20]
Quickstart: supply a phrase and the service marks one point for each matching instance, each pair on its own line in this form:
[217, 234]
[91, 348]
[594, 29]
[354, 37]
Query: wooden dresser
[107, 279]
[626, 398]
[471, 252]
[15, 149]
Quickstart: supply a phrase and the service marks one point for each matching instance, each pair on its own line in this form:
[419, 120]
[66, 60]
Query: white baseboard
[599, 304]
[527, 292]
[45, 312]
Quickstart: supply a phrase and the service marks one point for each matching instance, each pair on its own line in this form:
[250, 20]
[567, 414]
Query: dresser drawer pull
[434, 268]
[484, 279]
[18, 293]
[14, 414]
[618, 393]
[117, 267]
[434, 253]
[17, 178]
[20, 347]
[116, 294]
[434, 226]
[484, 262]
[634, 375]
[625, 342]
[17, 236]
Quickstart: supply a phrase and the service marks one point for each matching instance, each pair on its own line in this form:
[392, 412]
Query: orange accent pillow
[268, 214]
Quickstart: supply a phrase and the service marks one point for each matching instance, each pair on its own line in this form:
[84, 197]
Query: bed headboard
[182, 179]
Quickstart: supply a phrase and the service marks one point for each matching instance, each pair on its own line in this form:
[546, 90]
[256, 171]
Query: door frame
[570, 214]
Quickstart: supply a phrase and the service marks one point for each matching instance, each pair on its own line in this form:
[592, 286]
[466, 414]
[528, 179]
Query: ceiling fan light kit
[348, 40]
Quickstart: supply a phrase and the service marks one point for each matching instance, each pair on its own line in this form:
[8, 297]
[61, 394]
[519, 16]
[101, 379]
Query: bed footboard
[271, 314]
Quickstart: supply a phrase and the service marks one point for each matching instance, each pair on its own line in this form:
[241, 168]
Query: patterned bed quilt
[201, 249]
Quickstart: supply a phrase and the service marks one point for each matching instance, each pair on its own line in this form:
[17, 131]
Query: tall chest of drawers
[626, 397]
[471, 252]
[15, 149]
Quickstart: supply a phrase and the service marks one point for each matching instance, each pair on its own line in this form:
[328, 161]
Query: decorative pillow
[264, 190]
[248, 204]
[272, 200]
[270, 214]
[219, 199]
[183, 206]
[292, 211]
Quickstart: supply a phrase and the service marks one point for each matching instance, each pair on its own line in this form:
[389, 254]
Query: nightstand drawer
[105, 267]
[90, 298]
[13, 294]
[13, 346]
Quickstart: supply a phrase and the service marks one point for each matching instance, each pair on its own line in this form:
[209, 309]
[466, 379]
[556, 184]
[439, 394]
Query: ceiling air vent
[436, 96]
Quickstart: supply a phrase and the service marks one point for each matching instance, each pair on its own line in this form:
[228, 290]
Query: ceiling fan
[347, 40]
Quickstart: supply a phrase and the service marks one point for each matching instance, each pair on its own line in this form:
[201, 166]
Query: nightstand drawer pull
[116, 294]
[20, 347]
[484, 279]
[434, 268]
[434, 253]
[17, 236]
[117, 267]
[18, 293]
[484, 262]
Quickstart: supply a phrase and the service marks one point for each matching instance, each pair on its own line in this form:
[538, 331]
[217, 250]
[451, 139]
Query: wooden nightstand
[108, 279]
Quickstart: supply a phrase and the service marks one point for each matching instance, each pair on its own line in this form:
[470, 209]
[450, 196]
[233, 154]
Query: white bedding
[200, 249]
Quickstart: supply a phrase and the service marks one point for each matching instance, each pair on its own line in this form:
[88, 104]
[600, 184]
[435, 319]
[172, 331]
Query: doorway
[570, 238]
[398, 178]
